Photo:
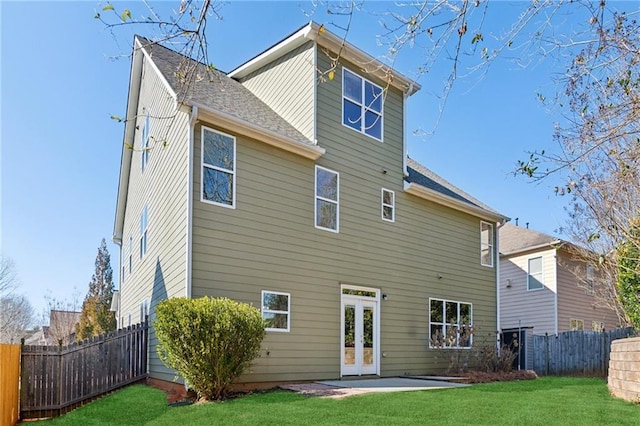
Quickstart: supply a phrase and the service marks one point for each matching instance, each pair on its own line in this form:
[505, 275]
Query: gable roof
[439, 190]
[515, 239]
[213, 89]
[324, 38]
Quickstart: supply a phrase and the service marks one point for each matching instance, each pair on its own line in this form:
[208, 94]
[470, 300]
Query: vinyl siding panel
[269, 242]
[519, 306]
[573, 300]
[286, 85]
[163, 188]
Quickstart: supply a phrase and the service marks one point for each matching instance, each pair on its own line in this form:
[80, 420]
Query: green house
[286, 184]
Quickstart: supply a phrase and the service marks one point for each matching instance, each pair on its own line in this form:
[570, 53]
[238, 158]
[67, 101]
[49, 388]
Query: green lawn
[545, 401]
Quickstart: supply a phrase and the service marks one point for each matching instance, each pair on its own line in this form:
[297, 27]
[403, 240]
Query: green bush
[208, 341]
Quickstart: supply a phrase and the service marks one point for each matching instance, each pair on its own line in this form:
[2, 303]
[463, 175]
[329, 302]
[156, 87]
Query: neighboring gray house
[544, 288]
[272, 187]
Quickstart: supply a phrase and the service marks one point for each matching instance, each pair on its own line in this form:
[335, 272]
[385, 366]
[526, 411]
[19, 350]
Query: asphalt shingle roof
[421, 175]
[215, 90]
[516, 238]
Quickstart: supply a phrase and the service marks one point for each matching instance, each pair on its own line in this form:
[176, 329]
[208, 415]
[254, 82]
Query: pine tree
[96, 318]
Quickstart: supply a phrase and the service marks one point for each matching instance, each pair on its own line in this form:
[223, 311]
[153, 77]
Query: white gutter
[436, 197]
[189, 248]
[243, 127]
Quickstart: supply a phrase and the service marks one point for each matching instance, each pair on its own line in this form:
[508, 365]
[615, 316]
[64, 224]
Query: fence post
[546, 354]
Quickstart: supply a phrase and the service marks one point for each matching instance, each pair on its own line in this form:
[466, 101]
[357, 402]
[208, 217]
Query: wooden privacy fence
[9, 379]
[56, 379]
[575, 352]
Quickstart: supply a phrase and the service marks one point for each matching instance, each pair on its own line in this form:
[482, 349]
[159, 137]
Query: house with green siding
[286, 184]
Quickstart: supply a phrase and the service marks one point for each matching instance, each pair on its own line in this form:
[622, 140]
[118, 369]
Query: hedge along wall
[624, 369]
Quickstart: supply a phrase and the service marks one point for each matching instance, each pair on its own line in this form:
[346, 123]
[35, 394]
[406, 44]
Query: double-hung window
[276, 307]
[450, 324]
[361, 104]
[130, 253]
[486, 244]
[144, 222]
[146, 145]
[388, 205]
[218, 168]
[327, 199]
[534, 277]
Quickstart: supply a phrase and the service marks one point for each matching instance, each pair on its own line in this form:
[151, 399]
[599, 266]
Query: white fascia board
[164, 81]
[333, 43]
[135, 81]
[436, 197]
[285, 46]
[245, 128]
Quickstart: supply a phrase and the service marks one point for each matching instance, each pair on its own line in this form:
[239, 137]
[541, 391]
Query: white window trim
[144, 232]
[541, 273]
[444, 302]
[490, 245]
[145, 143]
[231, 172]
[263, 310]
[392, 205]
[316, 197]
[363, 107]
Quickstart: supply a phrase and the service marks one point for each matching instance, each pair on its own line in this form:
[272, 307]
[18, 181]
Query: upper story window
[534, 277]
[361, 104]
[146, 146]
[218, 168]
[576, 324]
[144, 218]
[327, 202]
[450, 324]
[388, 205]
[486, 244]
[590, 280]
[275, 310]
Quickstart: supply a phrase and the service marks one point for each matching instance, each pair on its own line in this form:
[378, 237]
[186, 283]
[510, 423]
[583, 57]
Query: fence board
[9, 379]
[56, 379]
[575, 352]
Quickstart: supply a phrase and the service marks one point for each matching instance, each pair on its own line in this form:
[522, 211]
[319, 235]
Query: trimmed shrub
[208, 341]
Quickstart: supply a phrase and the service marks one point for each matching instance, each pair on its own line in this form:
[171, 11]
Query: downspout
[555, 293]
[499, 329]
[192, 126]
[405, 148]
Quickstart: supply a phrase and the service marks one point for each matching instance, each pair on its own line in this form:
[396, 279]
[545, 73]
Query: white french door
[359, 334]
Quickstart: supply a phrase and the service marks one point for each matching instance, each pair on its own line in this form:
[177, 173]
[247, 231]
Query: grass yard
[545, 401]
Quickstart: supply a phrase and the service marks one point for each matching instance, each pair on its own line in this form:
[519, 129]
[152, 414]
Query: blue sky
[60, 152]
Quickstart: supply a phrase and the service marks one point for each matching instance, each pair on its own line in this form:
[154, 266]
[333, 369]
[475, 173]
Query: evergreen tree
[96, 318]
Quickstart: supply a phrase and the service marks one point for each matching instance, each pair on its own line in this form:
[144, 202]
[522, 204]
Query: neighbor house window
[327, 207]
[486, 244]
[130, 253]
[388, 205]
[144, 219]
[218, 168]
[146, 146]
[361, 104]
[275, 310]
[450, 324]
[576, 325]
[534, 277]
[590, 280]
[597, 326]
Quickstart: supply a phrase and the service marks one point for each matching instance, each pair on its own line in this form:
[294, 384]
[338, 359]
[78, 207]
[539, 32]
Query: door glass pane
[367, 338]
[349, 334]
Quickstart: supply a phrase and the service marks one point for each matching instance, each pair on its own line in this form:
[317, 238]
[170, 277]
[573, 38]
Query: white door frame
[362, 301]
